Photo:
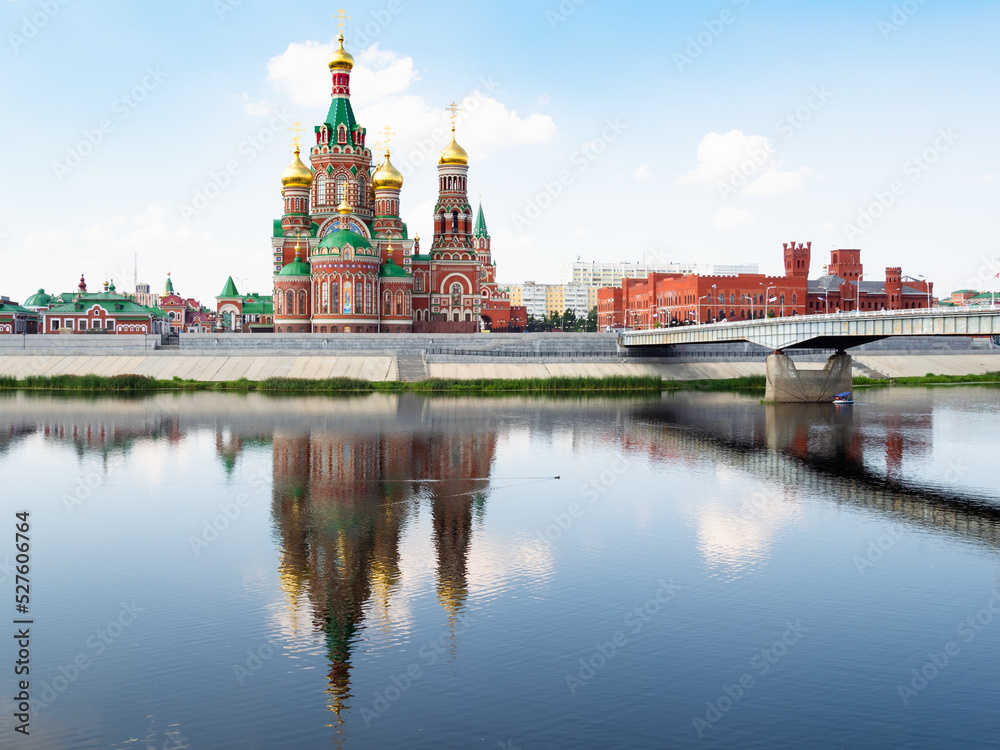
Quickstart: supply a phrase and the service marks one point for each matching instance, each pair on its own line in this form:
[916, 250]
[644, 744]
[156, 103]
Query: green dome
[297, 267]
[343, 237]
[40, 299]
[390, 269]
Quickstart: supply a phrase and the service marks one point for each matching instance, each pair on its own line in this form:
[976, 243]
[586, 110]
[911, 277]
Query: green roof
[480, 228]
[343, 237]
[341, 113]
[421, 257]
[39, 299]
[258, 308]
[6, 307]
[229, 290]
[111, 303]
[296, 268]
[278, 230]
[389, 269]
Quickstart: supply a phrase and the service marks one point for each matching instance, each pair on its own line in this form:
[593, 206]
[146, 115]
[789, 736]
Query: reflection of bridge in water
[785, 382]
[817, 449]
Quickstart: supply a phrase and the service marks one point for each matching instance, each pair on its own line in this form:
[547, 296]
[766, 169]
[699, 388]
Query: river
[388, 571]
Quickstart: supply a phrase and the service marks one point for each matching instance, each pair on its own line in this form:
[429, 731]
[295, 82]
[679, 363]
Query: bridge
[839, 331]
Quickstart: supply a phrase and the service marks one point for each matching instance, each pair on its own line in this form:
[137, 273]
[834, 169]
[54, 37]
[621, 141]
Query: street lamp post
[699, 307]
[712, 301]
[767, 298]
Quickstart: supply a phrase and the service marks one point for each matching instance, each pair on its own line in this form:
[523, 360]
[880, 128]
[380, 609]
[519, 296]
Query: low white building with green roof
[103, 312]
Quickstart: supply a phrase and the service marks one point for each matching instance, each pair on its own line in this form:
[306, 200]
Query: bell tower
[452, 212]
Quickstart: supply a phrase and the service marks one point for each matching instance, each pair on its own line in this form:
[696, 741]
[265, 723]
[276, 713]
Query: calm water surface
[219, 571]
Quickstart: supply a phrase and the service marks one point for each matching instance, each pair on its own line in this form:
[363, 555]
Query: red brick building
[669, 299]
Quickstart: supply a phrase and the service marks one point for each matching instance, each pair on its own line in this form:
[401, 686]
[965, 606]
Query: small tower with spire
[387, 183]
[296, 222]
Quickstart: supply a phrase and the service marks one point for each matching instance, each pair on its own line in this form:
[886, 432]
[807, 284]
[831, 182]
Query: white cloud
[732, 218]
[262, 108]
[643, 173]
[114, 242]
[989, 177]
[380, 84]
[746, 164]
[544, 98]
[721, 154]
[773, 182]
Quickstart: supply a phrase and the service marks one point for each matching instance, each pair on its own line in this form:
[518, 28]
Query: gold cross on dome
[297, 129]
[387, 134]
[342, 19]
[454, 109]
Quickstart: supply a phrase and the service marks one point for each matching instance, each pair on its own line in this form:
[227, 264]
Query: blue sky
[707, 132]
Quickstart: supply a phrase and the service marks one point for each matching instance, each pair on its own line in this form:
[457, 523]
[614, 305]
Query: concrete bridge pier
[787, 384]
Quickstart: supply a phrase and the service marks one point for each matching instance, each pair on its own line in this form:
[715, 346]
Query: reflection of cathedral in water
[341, 504]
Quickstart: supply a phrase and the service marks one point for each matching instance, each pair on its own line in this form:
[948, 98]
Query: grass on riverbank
[139, 384]
[930, 379]
[136, 384]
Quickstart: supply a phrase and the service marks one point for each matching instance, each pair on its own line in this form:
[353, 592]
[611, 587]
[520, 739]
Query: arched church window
[341, 188]
[454, 221]
[456, 294]
[320, 189]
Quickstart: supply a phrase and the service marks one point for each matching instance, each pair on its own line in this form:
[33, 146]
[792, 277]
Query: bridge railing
[852, 315]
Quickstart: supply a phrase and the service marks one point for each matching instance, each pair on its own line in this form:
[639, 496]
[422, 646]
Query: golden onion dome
[341, 59]
[387, 177]
[297, 173]
[453, 153]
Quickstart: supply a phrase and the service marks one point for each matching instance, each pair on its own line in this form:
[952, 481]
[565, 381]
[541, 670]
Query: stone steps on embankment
[410, 368]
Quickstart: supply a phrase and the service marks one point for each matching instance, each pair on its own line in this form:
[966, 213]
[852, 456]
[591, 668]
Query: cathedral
[343, 258]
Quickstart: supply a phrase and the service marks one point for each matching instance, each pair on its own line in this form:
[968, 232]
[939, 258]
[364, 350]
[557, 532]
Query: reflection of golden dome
[387, 176]
[453, 153]
[297, 173]
[341, 59]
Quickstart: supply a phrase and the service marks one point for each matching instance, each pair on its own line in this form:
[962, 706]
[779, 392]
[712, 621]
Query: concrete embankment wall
[167, 365]
[215, 357]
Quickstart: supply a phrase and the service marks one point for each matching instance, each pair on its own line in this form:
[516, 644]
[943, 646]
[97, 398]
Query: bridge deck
[836, 331]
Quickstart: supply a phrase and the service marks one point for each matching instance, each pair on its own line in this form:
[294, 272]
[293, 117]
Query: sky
[693, 132]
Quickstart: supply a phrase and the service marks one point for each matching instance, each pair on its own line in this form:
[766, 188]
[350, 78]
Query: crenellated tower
[797, 259]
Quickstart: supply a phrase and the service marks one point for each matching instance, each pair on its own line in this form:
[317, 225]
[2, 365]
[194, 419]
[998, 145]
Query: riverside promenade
[228, 357]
